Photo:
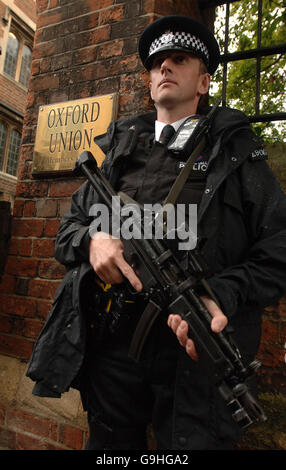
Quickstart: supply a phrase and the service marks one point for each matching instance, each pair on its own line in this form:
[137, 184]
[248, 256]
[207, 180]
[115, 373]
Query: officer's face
[176, 79]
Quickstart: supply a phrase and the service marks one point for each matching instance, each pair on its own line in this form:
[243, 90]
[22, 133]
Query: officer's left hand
[180, 327]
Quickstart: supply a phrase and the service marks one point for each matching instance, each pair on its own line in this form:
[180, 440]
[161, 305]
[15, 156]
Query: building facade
[17, 30]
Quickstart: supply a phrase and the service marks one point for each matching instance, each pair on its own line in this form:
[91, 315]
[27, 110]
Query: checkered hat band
[180, 38]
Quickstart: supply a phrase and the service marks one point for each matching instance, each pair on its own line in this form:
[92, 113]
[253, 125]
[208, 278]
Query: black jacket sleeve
[259, 280]
[72, 242]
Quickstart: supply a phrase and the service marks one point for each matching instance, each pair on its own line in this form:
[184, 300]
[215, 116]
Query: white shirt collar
[160, 125]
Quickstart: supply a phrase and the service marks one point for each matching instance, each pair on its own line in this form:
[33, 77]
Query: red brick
[44, 82]
[21, 266]
[99, 35]
[32, 328]
[59, 62]
[46, 208]
[41, 289]
[83, 56]
[28, 7]
[35, 70]
[270, 332]
[43, 248]
[27, 227]
[6, 324]
[110, 50]
[19, 419]
[71, 437]
[110, 15]
[272, 356]
[27, 150]
[51, 227]
[51, 269]
[64, 188]
[11, 325]
[18, 326]
[100, 4]
[16, 346]
[21, 306]
[20, 246]
[42, 5]
[24, 170]
[32, 189]
[43, 49]
[29, 209]
[43, 308]
[18, 208]
[7, 284]
[48, 18]
[64, 206]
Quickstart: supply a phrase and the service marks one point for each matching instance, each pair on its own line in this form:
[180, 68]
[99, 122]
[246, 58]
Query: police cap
[180, 33]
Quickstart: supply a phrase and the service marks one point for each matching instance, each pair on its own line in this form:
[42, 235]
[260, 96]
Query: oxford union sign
[66, 129]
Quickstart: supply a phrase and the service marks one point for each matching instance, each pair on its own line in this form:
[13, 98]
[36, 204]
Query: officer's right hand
[106, 258]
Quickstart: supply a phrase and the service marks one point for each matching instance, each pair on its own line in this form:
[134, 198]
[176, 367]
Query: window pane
[241, 85]
[13, 154]
[11, 55]
[273, 23]
[220, 25]
[272, 84]
[243, 26]
[25, 66]
[3, 134]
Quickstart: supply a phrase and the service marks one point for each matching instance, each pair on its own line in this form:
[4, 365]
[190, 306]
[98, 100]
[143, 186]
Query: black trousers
[123, 396]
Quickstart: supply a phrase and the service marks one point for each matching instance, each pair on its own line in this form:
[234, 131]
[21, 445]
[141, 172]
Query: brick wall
[82, 48]
[13, 94]
[28, 8]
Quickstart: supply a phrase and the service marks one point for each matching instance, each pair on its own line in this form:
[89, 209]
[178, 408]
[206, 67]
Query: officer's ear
[204, 83]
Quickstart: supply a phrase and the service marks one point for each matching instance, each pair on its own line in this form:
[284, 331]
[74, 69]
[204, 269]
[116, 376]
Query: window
[3, 136]
[11, 57]
[25, 66]
[18, 58]
[10, 139]
[251, 34]
[13, 152]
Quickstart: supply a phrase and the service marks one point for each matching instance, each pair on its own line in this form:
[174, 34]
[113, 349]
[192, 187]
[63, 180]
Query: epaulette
[258, 154]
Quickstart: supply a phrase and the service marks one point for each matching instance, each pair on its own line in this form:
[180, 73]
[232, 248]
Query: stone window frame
[9, 158]
[25, 37]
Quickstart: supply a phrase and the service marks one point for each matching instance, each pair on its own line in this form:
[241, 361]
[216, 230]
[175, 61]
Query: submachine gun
[171, 286]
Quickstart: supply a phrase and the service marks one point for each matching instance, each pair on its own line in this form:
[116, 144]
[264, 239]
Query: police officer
[242, 220]
[180, 55]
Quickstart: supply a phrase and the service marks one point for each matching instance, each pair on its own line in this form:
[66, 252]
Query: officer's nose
[166, 64]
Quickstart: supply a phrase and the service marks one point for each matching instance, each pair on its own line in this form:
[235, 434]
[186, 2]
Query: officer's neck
[170, 115]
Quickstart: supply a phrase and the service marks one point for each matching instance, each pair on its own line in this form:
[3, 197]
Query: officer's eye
[180, 59]
[157, 62]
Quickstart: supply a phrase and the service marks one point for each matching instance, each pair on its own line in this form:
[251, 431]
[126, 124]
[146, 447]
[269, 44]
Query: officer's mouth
[166, 82]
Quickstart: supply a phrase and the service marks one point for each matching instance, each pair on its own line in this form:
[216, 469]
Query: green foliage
[241, 75]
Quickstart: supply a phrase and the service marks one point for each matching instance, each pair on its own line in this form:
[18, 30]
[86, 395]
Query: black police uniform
[242, 218]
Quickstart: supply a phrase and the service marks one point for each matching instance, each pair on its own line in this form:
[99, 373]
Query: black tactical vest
[150, 170]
